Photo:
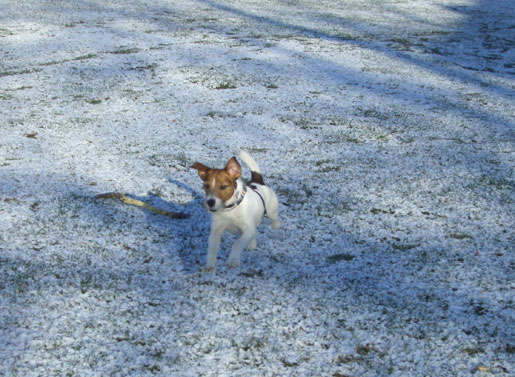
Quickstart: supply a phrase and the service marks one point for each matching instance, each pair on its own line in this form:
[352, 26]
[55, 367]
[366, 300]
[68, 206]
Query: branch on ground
[125, 199]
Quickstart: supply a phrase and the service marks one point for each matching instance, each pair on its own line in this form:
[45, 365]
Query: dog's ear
[233, 168]
[202, 170]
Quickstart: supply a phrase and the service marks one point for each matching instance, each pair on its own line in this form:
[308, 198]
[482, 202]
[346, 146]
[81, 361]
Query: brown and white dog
[236, 206]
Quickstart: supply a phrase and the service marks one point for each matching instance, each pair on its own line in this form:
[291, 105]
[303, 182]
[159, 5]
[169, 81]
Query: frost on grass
[385, 128]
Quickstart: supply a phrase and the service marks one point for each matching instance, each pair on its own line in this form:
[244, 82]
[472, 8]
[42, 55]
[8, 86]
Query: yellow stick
[139, 203]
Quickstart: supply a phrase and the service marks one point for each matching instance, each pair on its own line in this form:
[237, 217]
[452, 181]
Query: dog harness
[242, 193]
[255, 189]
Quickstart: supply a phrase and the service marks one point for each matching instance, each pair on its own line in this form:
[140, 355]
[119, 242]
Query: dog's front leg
[235, 256]
[213, 245]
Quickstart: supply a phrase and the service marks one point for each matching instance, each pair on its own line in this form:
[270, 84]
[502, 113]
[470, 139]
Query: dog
[235, 206]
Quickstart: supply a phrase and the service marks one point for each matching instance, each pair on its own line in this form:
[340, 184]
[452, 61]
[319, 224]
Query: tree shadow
[189, 234]
[475, 26]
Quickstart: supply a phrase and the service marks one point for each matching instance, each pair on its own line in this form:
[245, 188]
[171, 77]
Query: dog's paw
[208, 269]
[252, 245]
[276, 224]
[233, 263]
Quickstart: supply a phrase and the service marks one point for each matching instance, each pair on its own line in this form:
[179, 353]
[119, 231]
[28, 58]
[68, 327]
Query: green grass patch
[94, 101]
[20, 72]
[378, 211]
[125, 50]
[363, 350]
[325, 166]
[372, 113]
[225, 85]
[405, 247]
[5, 32]
[346, 257]
[84, 57]
[472, 351]
[460, 236]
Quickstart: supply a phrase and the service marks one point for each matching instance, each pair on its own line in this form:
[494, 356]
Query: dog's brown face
[219, 184]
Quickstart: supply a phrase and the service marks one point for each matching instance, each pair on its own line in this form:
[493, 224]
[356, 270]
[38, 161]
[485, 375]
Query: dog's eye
[223, 187]
[206, 186]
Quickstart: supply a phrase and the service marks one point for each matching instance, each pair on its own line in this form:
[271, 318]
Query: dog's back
[257, 183]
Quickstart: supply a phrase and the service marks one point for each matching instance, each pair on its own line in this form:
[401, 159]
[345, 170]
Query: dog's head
[219, 184]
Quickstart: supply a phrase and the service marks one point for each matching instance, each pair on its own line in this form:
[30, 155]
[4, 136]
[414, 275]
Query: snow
[385, 127]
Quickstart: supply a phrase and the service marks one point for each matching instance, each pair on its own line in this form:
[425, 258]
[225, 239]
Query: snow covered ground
[385, 127]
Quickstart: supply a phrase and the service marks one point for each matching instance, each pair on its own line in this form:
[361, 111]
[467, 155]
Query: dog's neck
[238, 196]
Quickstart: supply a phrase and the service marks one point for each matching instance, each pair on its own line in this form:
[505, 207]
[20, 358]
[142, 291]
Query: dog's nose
[211, 202]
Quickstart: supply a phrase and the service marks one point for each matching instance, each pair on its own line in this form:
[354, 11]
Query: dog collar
[240, 194]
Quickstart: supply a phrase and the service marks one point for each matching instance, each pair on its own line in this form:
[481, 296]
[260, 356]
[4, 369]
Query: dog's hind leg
[276, 224]
[273, 211]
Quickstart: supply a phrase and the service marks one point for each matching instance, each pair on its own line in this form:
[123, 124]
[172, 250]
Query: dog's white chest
[234, 229]
[232, 221]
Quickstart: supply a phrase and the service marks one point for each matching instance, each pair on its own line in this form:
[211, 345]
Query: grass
[257, 150]
[78, 58]
[294, 198]
[5, 32]
[460, 236]
[288, 363]
[378, 211]
[125, 50]
[213, 114]
[340, 257]
[401, 44]
[84, 57]
[213, 78]
[363, 350]
[20, 72]
[406, 247]
[325, 166]
[373, 113]
[5, 97]
[357, 144]
[472, 351]
[94, 101]
[226, 85]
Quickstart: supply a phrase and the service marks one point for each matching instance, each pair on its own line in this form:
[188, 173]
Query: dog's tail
[256, 176]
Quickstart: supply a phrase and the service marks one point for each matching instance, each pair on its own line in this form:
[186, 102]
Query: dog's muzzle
[212, 204]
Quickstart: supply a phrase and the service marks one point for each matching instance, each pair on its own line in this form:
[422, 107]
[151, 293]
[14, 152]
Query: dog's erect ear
[202, 170]
[233, 168]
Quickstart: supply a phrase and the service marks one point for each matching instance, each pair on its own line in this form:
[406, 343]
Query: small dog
[236, 206]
